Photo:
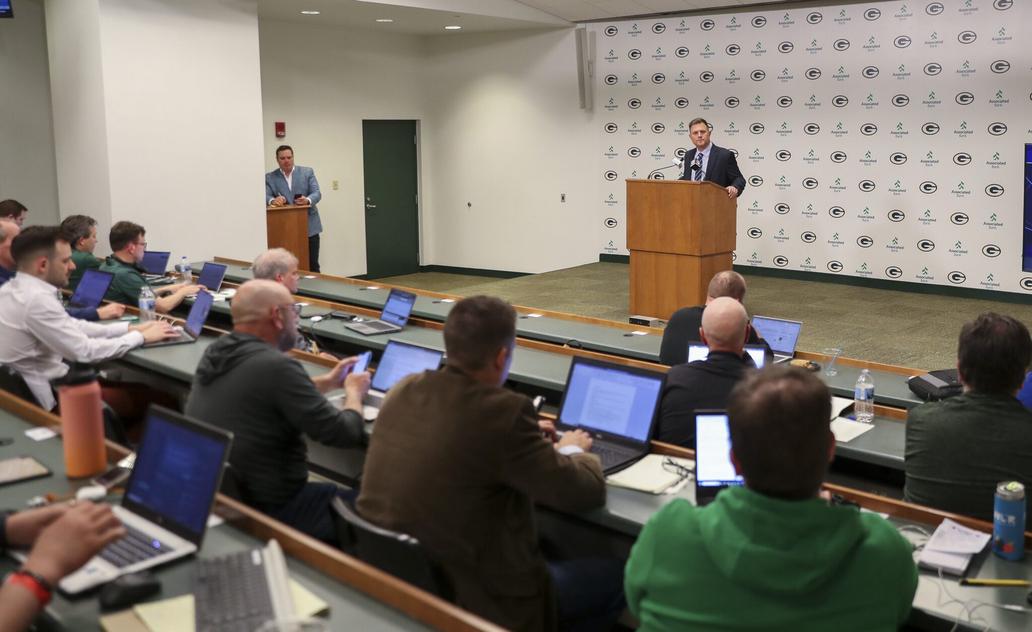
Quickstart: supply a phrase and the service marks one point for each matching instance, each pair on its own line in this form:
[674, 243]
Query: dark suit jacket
[683, 328]
[701, 385]
[721, 168]
[459, 465]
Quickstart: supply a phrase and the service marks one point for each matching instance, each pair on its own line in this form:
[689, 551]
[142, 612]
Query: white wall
[27, 168]
[322, 82]
[157, 110]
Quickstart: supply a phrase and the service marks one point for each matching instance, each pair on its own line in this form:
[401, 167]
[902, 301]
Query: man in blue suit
[711, 163]
[296, 185]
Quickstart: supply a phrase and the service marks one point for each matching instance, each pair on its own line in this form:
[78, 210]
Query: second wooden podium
[680, 234]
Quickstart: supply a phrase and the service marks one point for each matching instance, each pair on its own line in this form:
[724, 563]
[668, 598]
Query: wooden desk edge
[417, 604]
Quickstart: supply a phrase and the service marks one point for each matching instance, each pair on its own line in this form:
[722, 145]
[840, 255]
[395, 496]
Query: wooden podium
[287, 227]
[680, 233]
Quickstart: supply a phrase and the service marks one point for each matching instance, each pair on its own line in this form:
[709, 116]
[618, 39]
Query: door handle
[370, 206]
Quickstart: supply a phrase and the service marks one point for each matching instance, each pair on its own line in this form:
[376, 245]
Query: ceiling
[429, 17]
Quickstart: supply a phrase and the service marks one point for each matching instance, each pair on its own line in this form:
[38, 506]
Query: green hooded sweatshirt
[752, 562]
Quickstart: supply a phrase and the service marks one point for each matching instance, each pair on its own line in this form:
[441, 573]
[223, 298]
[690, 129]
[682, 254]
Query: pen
[995, 582]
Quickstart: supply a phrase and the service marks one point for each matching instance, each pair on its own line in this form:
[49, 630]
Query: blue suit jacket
[305, 184]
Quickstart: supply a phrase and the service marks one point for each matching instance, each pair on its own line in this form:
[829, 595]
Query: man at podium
[711, 163]
[297, 185]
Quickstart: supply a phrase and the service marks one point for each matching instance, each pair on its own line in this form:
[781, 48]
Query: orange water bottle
[82, 423]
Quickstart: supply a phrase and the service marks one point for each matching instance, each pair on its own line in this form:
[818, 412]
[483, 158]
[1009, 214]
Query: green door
[391, 204]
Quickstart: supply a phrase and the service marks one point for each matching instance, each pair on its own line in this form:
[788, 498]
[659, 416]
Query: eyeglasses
[296, 307]
[674, 467]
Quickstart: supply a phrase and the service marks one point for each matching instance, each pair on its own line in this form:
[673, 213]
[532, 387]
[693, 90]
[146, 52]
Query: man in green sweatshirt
[772, 555]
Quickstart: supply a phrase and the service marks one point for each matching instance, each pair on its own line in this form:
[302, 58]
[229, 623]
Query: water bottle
[146, 304]
[863, 397]
[82, 423]
[185, 271]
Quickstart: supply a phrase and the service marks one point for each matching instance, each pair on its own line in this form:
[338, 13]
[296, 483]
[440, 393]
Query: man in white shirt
[36, 333]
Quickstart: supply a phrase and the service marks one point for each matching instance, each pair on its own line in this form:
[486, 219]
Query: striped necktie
[698, 161]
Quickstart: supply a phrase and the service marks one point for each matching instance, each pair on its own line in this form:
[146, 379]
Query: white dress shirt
[705, 153]
[36, 333]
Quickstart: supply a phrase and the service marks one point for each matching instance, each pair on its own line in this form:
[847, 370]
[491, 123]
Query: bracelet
[39, 587]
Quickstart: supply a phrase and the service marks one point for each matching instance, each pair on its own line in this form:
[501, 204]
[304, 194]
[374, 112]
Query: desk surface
[349, 609]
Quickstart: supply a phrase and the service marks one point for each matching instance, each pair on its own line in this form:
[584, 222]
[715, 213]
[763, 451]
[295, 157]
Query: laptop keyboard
[231, 593]
[135, 546]
[610, 454]
[378, 325]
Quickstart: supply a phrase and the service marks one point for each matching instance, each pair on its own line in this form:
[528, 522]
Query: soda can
[1009, 520]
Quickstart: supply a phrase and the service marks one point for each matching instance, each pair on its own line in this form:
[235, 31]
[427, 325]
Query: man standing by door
[292, 184]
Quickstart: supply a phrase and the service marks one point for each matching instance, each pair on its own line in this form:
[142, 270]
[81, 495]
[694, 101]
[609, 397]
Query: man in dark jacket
[706, 383]
[246, 384]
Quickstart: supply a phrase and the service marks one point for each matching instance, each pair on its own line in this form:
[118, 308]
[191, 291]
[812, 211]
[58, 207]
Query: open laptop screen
[177, 472]
[698, 351]
[398, 307]
[400, 360]
[713, 467]
[211, 276]
[91, 289]
[611, 398]
[781, 335]
[155, 261]
[199, 313]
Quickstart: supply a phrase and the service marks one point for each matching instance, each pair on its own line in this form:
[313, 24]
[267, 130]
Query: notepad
[951, 547]
[648, 475]
[839, 404]
[845, 430]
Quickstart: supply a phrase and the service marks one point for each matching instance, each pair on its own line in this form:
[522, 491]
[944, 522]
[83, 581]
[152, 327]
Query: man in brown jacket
[458, 461]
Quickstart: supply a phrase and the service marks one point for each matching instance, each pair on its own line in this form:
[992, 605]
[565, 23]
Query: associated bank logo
[814, 18]
[782, 209]
[840, 45]
[658, 28]
[893, 272]
[994, 190]
[925, 276]
[998, 101]
[958, 249]
[634, 54]
[964, 98]
[864, 241]
[902, 41]
[808, 237]
[870, 72]
[610, 222]
[932, 69]
[837, 212]
[634, 152]
[898, 158]
[611, 128]
[610, 31]
[934, 8]
[1000, 66]
[780, 261]
[997, 129]
[681, 51]
[706, 76]
[901, 100]
[959, 218]
[707, 25]
[611, 80]
[786, 47]
[966, 37]
[835, 266]
[681, 103]
[956, 277]
[658, 78]
[866, 186]
[896, 215]
[962, 159]
[754, 233]
[925, 245]
[993, 222]
[840, 74]
[610, 175]
[839, 157]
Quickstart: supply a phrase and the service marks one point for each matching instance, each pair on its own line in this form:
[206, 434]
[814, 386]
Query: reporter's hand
[71, 540]
[547, 428]
[189, 289]
[156, 330]
[335, 377]
[24, 527]
[578, 438]
[356, 385]
[110, 311]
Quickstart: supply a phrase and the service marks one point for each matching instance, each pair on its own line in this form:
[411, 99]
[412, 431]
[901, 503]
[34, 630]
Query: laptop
[211, 276]
[616, 405]
[782, 335]
[399, 360]
[393, 317]
[91, 289]
[154, 263]
[699, 351]
[167, 500]
[713, 468]
[195, 320]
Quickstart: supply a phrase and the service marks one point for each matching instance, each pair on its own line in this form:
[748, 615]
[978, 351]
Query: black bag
[936, 385]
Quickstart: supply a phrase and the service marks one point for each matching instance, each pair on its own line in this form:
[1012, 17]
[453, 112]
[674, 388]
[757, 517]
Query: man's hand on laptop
[110, 311]
[548, 429]
[156, 330]
[577, 438]
[22, 528]
[72, 539]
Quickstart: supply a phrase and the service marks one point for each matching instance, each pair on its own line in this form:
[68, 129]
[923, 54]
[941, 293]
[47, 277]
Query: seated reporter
[128, 244]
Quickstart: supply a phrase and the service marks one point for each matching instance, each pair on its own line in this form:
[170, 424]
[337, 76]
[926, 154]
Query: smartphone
[363, 362]
[112, 477]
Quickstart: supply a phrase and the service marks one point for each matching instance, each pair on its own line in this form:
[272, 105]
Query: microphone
[676, 163]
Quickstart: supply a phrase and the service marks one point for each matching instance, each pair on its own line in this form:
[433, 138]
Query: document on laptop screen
[398, 307]
[781, 335]
[713, 467]
[400, 361]
[611, 400]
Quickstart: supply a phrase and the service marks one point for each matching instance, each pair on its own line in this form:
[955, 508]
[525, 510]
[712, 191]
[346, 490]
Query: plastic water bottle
[146, 304]
[863, 397]
[185, 271]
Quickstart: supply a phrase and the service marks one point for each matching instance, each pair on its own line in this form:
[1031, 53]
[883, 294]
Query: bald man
[247, 384]
[706, 384]
[8, 231]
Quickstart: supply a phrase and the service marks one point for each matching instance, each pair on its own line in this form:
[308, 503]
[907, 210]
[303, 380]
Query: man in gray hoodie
[247, 384]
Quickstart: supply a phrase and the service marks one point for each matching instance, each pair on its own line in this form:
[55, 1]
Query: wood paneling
[287, 227]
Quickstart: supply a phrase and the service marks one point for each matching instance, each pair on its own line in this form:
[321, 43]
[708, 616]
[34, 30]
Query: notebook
[393, 317]
[713, 468]
[399, 360]
[167, 500]
[211, 276]
[195, 320]
[699, 351]
[616, 405]
[91, 289]
[782, 335]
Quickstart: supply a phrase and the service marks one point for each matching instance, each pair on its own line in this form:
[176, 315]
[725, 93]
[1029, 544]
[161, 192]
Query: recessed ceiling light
[453, 27]
[384, 20]
[310, 12]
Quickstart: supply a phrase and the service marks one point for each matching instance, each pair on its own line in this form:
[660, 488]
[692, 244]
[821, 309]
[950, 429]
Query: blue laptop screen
[211, 276]
[401, 360]
[155, 261]
[698, 351]
[91, 289]
[611, 399]
[713, 467]
[199, 313]
[781, 335]
[398, 307]
[177, 472]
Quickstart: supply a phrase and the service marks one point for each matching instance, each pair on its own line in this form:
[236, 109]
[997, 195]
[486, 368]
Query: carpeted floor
[894, 327]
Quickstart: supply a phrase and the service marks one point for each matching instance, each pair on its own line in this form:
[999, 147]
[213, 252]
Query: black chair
[12, 382]
[396, 553]
[231, 485]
